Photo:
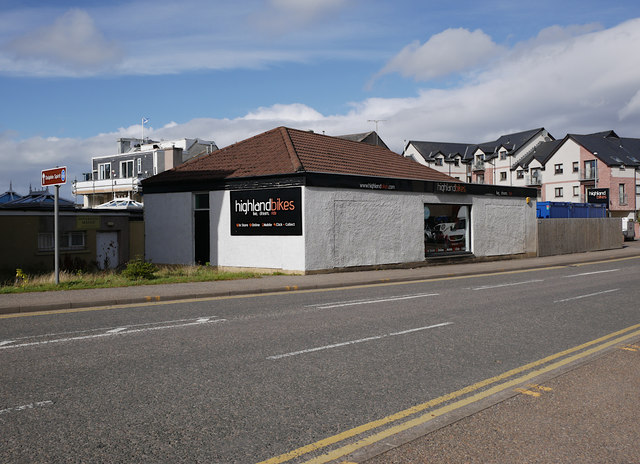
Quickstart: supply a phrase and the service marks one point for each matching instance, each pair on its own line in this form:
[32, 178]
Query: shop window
[446, 229]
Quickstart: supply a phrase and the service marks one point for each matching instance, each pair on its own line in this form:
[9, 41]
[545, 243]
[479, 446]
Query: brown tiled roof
[287, 151]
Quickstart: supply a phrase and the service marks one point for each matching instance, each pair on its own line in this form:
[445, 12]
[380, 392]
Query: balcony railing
[478, 166]
[587, 174]
[533, 180]
[86, 187]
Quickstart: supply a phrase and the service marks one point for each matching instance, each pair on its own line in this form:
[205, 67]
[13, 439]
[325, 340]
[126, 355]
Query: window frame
[559, 192]
[559, 168]
[104, 173]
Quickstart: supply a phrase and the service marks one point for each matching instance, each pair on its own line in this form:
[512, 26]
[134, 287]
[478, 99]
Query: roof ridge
[293, 155]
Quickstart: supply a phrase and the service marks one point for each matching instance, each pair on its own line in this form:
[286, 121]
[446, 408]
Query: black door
[202, 247]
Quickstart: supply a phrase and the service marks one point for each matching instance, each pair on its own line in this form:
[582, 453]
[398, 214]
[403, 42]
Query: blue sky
[77, 75]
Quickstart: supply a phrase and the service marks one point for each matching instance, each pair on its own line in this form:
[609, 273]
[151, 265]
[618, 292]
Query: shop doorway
[446, 229]
[201, 228]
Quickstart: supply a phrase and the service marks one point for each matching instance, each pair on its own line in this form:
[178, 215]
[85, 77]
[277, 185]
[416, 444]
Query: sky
[76, 75]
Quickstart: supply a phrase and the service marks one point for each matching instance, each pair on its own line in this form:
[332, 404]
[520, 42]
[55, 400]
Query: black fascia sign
[266, 212]
[598, 196]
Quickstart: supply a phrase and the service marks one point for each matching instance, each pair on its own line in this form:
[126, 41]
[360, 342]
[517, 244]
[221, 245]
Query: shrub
[139, 269]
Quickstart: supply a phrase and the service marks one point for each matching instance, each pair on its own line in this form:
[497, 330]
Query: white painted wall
[168, 219]
[354, 228]
[341, 228]
[565, 155]
[273, 252]
[503, 226]
[362, 227]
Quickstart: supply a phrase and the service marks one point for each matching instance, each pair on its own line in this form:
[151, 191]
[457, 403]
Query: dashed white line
[372, 301]
[486, 287]
[586, 296]
[353, 342]
[24, 407]
[591, 273]
[6, 342]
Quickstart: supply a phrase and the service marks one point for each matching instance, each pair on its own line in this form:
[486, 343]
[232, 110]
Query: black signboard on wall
[266, 212]
[598, 196]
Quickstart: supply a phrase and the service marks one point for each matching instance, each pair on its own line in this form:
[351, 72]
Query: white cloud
[279, 112]
[72, 41]
[574, 83]
[450, 51]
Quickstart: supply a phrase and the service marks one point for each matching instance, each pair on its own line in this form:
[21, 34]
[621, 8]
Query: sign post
[56, 176]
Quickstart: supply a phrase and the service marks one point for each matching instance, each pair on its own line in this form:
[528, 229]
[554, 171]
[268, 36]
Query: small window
[520, 174]
[503, 176]
[456, 162]
[559, 169]
[503, 155]
[45, 241]
[576, 191]
[622, 194]
[73, 240]
[558, 192]
[139, 165]
[576, 166]
[637, 189]
[438, 161]
[104, 171]
[126, 169]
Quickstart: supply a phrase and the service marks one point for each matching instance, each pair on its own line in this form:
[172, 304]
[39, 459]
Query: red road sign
[55, 176]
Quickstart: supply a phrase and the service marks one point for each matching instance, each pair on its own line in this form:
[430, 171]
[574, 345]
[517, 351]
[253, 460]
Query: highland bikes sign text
[266, 212]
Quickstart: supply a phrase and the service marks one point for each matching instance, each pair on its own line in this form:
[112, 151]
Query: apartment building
[480, 163]
[565, 170]
[118, 176]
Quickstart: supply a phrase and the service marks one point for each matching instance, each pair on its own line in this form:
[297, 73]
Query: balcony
[88, 187]
[533, 180]
[587, 175]
[478, 166]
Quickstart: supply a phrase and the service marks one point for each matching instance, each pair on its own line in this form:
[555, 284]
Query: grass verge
[110, 279]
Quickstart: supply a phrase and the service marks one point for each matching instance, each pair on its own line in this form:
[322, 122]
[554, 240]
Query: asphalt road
[247, 379]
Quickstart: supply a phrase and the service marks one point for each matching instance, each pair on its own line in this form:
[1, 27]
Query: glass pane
[202, 201]
[446, 228]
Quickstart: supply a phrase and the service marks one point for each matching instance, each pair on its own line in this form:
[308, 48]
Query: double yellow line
[582, 351]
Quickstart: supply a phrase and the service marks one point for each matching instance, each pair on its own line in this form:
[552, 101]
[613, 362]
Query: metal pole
[56, 238]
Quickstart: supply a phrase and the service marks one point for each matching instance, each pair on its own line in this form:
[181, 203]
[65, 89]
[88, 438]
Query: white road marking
[102, 329]
[353, 342]
[486, 287]
[117, 331]
[6, 342]
[586, 296]
[591, 273]
[371, 301]
[24, 407]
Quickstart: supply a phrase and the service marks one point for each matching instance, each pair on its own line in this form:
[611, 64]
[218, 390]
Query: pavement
[70, 299]
[586, 412]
